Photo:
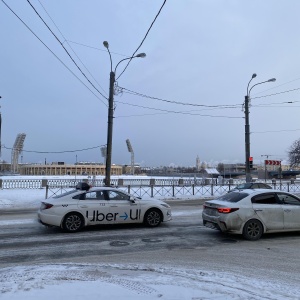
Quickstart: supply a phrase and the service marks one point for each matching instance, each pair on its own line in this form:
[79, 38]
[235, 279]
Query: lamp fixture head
[254, 75]
[272, 80]
[105, 43]
[142, 55]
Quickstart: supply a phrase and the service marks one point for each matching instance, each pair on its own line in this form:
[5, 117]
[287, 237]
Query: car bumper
[224, 223]
[49, 220]
[168, 215]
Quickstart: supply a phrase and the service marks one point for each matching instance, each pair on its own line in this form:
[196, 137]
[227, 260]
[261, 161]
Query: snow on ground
[87, 281]
[90, 281]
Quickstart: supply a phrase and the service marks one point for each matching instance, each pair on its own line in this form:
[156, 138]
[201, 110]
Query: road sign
[273, 162]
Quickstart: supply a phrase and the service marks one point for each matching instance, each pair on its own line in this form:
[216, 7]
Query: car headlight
[166, 205]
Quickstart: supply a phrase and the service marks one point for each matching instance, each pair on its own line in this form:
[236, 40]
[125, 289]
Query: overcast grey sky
[200, 52]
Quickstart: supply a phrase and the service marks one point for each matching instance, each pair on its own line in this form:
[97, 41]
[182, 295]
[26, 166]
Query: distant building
[60, 168]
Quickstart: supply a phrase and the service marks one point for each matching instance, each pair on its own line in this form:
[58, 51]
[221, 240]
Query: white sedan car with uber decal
[85, 206]
[253, 212]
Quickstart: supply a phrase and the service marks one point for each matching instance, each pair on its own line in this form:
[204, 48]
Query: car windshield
[65, 194]
[232, 197]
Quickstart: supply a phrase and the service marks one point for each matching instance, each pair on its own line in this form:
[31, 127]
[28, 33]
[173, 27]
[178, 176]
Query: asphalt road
[182, 242]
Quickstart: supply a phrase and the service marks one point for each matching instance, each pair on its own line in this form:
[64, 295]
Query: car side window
[255, 186]
[97, 195]
[80, 196]
[264, 199]
[114, 195]
[288, 199]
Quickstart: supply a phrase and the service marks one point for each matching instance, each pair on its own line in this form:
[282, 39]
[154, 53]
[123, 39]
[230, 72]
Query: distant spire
[198, 167]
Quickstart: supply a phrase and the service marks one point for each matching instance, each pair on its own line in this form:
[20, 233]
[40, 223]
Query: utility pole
[247, 126]
[109, 128]
[247, 139]
[111, 112]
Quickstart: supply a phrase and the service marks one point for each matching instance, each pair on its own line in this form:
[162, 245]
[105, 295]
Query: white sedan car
[253, 212]
[86, 206]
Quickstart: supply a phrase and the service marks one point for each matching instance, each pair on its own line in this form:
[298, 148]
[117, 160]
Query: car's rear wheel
[73, 222]
[153, 218]
[253, 230]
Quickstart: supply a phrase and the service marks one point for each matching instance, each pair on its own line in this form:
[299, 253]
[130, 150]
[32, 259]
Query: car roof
[257, 191]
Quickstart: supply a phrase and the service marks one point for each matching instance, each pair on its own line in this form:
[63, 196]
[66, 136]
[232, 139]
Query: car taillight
[226, 210]
[46, 205]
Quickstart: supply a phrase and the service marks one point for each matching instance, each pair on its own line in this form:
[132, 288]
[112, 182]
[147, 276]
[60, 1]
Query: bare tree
[294, 154]
[220, 167]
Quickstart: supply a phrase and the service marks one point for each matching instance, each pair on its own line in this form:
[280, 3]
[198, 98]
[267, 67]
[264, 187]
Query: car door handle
[258, 209]
[83, 206]
[114, 206]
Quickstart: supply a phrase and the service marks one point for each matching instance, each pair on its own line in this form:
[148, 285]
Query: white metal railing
[161, 188]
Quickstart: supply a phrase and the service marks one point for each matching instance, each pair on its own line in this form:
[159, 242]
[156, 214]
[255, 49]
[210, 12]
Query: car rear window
[65, 194]
[232, 197]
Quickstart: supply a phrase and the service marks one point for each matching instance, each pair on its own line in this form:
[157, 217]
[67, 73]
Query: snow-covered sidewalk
[89, 281]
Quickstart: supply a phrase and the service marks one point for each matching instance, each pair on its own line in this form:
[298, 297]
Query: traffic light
[251, 162]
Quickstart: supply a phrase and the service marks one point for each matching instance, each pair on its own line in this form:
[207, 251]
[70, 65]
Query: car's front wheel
[73, 222]
[253, 230]
[153, 218]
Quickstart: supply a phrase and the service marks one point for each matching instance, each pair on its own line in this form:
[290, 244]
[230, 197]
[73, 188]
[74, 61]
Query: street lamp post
[247, 126]
[111, 112]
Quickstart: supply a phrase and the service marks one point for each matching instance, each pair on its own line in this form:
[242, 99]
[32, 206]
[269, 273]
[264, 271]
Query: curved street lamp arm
[253, 76]
[142, 55]
[121, 61]
[110, 59]
[270, 80]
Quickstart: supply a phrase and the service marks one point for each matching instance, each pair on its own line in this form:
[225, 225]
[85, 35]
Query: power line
[56, 152]
[70, 46]
[66, 50]
[285, 130]
[143, 38]
[179, 112]
[276, 93]
[96, 48]
[180, 103]
[52, 52]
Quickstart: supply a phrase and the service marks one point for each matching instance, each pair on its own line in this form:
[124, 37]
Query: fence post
[151, 190]
[173, 190]
[47, 187]
[0, 183]
[44, 182]
[288, 184]
[212, 188]
[129, 189]
[193, 189]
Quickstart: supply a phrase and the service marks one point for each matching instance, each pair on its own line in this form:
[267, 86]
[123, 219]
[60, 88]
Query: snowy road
[178, 260]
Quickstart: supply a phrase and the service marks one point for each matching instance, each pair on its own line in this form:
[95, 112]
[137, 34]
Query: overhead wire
[180, 103]
[52, 52]
[264, 96]
[66, 51]
[179, 112]
[96, 48]
[65, 40]
[143, 38]
[56, 152]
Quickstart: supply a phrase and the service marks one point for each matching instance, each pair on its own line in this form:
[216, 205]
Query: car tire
[72, 222]
[253, 230]
[153, 218]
